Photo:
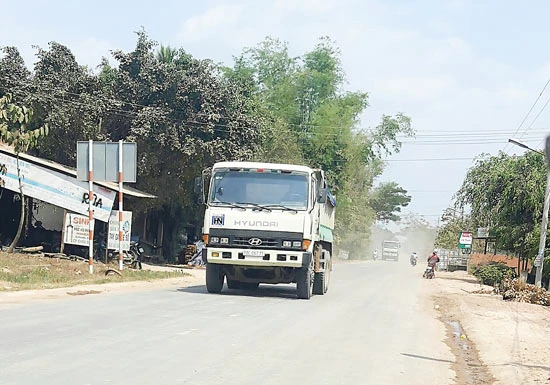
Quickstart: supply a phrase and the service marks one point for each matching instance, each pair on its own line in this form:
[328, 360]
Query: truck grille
[260, 239]
[265, 242]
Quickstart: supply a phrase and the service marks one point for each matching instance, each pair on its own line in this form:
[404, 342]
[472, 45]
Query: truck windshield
[270, 188]
[391, 245]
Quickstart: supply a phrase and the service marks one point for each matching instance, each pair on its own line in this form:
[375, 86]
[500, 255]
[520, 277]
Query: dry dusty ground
[188, 277]
[495, 342]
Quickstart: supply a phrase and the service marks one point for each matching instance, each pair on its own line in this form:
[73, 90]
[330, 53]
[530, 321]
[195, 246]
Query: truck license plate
[254, 253]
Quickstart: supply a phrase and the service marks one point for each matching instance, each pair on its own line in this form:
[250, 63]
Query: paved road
[374, 326]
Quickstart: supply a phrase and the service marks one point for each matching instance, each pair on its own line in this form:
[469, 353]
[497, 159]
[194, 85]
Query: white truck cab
[267, 223]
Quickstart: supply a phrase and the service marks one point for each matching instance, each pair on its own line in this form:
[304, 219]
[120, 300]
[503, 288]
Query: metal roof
[72, 172]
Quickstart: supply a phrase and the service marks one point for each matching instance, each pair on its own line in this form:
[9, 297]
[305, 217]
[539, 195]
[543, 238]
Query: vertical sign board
[483, 232]
[465, 240]
[76, 229]
[112, 241]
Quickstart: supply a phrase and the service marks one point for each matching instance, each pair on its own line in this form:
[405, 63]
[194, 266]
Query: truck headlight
[297, 244]
[214, 240]
[224, 241]
[287, 243]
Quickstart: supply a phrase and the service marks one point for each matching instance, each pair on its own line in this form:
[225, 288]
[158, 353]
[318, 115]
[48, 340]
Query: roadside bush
[492, 273]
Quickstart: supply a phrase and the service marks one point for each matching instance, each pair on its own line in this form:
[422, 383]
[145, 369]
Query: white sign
[77, 230]
[112, 241]
[483, 232]
[57, 188]
[465, 238]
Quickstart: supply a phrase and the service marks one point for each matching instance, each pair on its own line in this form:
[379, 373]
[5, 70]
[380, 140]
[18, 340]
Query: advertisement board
[112, 241]
[465, 240]
[76, 229]
[56, 188]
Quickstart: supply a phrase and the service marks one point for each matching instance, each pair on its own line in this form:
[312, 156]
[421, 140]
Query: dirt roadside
[191, 277]
[494, 341]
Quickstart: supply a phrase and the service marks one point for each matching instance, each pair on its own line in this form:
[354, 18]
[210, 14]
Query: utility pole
[539, 260]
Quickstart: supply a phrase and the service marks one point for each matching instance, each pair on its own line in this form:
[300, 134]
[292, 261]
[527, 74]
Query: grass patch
[23, 272]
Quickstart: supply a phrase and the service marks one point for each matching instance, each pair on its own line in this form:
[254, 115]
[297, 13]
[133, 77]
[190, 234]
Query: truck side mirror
[322, 198]
[198, 188]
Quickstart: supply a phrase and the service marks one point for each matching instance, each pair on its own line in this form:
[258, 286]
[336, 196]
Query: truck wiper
[282, 207]
[255, 205]
[231, 204]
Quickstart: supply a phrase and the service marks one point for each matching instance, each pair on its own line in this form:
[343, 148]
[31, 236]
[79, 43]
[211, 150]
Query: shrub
[492, 273]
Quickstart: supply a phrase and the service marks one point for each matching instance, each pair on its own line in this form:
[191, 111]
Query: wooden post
[62, 248]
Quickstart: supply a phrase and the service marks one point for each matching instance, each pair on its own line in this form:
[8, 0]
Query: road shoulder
[191, 277]
[500, 342]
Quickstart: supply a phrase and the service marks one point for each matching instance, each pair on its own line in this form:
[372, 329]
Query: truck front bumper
[267, 258]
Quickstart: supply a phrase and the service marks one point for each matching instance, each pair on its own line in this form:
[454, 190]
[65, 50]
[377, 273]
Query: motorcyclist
[413, 258]
[433, 259]
[375, 255]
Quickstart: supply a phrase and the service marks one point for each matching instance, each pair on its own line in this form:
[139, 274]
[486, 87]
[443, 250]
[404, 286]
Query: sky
[468, 73]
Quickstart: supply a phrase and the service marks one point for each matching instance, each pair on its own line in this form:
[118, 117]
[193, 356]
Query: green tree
[14, 75]
[506, 193]
[451, 226]
[305, 98]
[16, 130]
[387, 200]
[166, 54]
[184, 116]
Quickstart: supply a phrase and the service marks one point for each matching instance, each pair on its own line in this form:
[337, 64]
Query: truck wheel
[322, 279]
[214, 278]
[319, 283]
[304, 281]
[233, 284]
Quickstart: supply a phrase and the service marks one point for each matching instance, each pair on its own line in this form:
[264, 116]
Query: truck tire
[233, 284]
[214, 278]
[304, 284]
[319, 283]
[322, 278]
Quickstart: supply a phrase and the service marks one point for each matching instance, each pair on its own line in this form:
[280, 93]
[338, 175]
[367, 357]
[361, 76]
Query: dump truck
[267, 223]
[390, 250]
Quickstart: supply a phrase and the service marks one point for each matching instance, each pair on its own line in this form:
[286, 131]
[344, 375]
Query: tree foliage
[306, 103]
[506, 194]
[387, 200]
[451, 226]
[16, 130]
[185, 114]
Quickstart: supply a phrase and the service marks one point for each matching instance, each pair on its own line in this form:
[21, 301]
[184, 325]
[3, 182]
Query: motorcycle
[413, 260]
[131, 258]
[429, 273]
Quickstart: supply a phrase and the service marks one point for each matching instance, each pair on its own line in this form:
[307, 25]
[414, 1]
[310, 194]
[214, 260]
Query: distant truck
[390, 250]
[267, 223]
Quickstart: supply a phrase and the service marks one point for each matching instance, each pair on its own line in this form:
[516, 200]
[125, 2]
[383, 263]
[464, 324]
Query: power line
[536, 117]
[529, 112]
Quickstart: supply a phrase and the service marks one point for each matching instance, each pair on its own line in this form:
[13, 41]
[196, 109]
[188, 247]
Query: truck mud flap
[306, 259]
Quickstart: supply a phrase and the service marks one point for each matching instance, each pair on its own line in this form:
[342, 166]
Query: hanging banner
[56, 188]
[112, 241]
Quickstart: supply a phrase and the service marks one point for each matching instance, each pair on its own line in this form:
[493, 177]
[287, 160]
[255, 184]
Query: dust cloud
[414, 235]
